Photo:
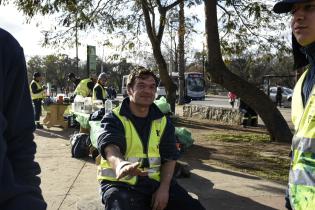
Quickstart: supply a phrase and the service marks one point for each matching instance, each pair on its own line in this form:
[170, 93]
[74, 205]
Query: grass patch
[239, 137]
[247, 152]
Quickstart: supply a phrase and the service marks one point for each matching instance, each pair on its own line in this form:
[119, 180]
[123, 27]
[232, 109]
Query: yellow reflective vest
[135, 151]
[302, 170]
[37, 95]
[104, 93]
[82, 88]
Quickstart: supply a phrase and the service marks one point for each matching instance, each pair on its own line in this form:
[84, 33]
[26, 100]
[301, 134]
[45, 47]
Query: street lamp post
[76, 44]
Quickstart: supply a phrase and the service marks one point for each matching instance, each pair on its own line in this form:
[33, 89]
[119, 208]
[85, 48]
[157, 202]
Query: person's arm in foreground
[20, 170]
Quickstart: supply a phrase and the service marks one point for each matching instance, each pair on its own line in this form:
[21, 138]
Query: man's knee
[118, 199]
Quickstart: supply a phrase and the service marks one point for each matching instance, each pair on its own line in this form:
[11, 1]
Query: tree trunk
[155, 39]
[181, 52]
[255, 98]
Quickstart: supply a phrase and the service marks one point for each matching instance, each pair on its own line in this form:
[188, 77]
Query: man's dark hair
[142, 73]
[36, 74]
[71, 75]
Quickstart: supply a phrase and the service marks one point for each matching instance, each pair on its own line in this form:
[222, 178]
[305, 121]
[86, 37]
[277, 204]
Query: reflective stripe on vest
[104, 94]
[302, 171]
[134, 150]
[82, 88]
[36, 95]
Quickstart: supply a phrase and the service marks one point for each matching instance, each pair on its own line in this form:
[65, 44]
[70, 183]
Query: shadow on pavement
[56, 133]
[221, 199]
[196, 154]
[216, 199]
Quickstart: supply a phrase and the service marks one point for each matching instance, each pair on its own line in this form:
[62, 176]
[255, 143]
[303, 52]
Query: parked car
[286, 95]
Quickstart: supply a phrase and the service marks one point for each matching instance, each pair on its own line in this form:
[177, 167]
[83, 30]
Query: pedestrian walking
[279, 96]
[232, 98]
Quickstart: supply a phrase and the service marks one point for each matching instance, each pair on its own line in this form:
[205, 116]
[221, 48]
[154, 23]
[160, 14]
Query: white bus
[194, 86]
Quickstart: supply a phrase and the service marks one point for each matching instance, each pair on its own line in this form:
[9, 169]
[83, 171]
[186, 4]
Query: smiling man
[301, 189]
[139, 153]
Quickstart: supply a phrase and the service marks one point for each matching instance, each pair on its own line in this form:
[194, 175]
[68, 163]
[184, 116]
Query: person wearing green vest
[138, 149]
[85, 87]
[301, 187]
[37, 94]
[99, 91]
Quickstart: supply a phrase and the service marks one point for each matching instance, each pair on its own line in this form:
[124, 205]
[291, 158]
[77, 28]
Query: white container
[78, 103]
[48, 90]
[108, 106]
[87, 105]
[97, 105]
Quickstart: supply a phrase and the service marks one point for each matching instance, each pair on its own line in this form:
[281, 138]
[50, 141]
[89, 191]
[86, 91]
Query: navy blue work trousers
[121, 198]
[37, 108]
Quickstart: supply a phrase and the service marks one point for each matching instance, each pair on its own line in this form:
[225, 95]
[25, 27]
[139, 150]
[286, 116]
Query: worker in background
[85, 87]
[99, 91]
[250, 117]
[37, 94]
[72, 78]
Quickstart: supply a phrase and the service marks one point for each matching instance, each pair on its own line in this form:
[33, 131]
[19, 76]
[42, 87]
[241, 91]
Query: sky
[29, 35]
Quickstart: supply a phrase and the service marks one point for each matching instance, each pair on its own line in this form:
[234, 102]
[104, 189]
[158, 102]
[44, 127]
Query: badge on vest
[157, 133]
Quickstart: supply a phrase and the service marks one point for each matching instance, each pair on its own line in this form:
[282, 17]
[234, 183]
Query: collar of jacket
[309, 50]
[154, 112]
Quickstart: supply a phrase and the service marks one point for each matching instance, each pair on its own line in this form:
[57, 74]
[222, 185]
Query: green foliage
[253, 66]
[56, 67]
[239, 137]
[244, 24]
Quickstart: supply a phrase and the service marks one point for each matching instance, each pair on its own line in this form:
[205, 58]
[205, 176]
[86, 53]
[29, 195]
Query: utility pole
[171, 56]
[102, 60]
[203, 59]
[76, 43]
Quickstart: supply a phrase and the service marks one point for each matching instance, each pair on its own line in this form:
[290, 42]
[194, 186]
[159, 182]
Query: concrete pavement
[69, 183]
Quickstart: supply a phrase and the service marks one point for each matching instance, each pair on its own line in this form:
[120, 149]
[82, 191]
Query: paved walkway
[69, 183]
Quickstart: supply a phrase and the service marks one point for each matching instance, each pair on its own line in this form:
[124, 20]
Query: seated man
[138, 149]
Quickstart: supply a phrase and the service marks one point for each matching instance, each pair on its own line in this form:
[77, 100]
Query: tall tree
[181, 52]
[110, 16]
[219, 72]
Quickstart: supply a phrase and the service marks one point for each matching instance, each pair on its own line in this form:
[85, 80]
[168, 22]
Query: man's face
[303, 22]
[39, 79]
[103, 81]
[142, 93]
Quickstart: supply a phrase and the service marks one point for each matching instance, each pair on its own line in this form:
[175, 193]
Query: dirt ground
[254, 155]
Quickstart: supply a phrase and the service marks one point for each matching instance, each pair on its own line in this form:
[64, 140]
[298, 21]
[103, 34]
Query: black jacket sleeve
[19, 185]
[168, 150]
[98, 93]
[113, 133]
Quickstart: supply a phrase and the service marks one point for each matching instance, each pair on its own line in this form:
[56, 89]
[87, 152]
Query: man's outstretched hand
[129, 169]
